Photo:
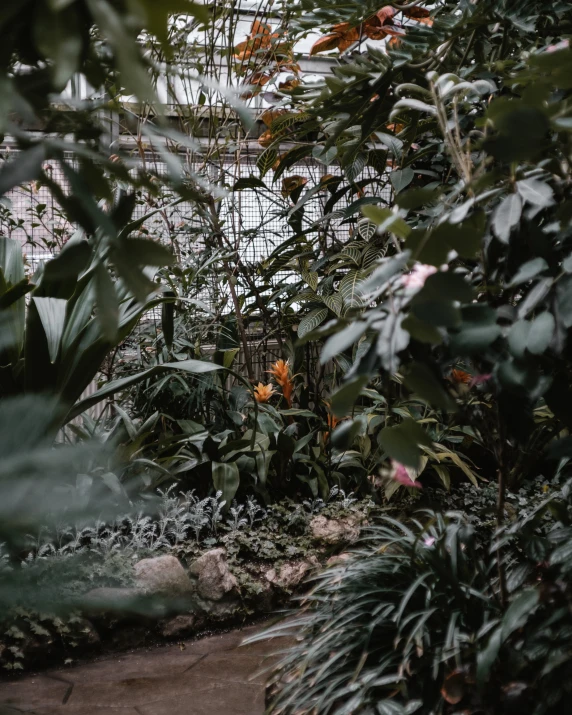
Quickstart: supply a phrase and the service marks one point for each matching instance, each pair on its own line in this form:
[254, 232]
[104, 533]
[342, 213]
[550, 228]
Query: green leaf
[518, 338]
[390, 707]
[518, 612]
[334, 302]
[25, 167]
[506, 216]
[262, 460]
[15, 293]
[536, 192]
[196, 367]
[107, 303]
[439, 313]
[428, 247]
[477, 331]
[423, 332]
[564, 300]
[344, 399]
[401, 178]
[296, 412]
[312, 321]
[562, 554]
[487, 656]
[349, 288]
[541, 333]
[341, 341]
[394, 144]
[168, 320]
[13, 317]
[386, 221]
[71, 261]
[389, 268]
[402, 442]
[445, 286]
[157, 14]
[140, 285]
[149, 253]
[567, 264]
[135, 76]
[414, 104]
[465, 238]
[421, 380]
[345, 433]
[58, 37]
[226, 479]
[528, 271]
[52, 312]
[251, 182]
[266, 161]
[522, 130]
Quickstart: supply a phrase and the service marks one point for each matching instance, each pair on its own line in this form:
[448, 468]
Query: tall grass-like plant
[382, 632]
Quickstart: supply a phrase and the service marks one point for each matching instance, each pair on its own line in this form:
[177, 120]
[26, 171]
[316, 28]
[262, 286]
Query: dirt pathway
[211, 676]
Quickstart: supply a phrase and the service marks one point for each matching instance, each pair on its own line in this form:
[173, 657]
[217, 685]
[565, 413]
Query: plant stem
[501, 500]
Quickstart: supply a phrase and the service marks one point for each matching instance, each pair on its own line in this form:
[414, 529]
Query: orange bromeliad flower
[262, 393]
[280, 370]
[331, 420]
[460, 377]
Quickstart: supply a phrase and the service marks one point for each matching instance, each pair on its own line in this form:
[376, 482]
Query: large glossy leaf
[421, 380]
[541, 333]
[341, 341]
[344, 399]
[226, 479]
[401, 442]
[107, 303]
[14, 312]
[52, 312]
[506, 216]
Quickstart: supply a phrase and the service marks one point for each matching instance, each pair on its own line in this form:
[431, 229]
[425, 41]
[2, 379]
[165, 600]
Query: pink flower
[429, 541]
[563, 45]
[480, 379]
[417, 277]
[404, 475]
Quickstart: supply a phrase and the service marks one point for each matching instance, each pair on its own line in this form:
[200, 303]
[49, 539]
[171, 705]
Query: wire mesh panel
[252, 223]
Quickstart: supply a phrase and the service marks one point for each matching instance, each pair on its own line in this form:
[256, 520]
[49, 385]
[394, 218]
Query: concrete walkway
[211, 676]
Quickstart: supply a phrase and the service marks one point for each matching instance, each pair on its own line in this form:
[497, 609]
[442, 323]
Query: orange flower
[281, 373]
[280, 370]
[262, 393]
[331, 420]
[460, 377]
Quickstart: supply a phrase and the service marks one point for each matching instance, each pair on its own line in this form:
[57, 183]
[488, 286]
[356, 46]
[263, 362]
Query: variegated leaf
[312, 321]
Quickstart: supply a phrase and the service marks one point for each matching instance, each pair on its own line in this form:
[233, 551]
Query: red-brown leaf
[416, 12]
[324, 44]
[453, 690]
[291, 183]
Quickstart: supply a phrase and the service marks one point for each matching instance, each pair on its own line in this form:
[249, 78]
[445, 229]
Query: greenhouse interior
[285, 371]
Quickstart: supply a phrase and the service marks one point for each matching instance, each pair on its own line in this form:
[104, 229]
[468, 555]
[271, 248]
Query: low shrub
[415, 621]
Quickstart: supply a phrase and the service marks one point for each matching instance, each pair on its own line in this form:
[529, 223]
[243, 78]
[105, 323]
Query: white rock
[335, 532]
[178, 626]
[163, 576]
[214, 578]
[290, 574]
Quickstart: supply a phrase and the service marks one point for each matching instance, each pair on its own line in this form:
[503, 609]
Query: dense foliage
[421, 305]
